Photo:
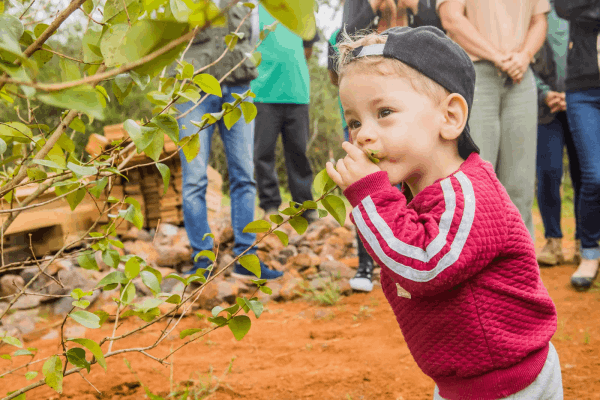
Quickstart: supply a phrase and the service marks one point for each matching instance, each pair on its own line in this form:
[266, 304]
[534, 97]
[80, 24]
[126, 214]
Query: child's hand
[355, 166]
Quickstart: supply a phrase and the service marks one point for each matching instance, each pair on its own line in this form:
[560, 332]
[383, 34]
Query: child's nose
[366, 135]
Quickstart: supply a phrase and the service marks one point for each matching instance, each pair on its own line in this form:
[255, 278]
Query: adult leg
[484, 119]
[267, 126]
[194, 179]
[239, 150]
[583, 113]
[294, 134]
[575, 173]
[549, 168]
[517, 155]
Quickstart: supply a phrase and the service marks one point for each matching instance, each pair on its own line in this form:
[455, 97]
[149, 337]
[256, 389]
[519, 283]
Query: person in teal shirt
[282, 99]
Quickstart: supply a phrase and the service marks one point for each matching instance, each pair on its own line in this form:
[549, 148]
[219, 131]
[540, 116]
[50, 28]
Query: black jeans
[292, 121]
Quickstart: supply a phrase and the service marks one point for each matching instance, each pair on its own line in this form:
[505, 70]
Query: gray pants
[504, 125]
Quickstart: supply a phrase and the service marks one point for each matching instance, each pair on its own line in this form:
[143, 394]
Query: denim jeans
[552, 139]
[583, 112]
[239, 149]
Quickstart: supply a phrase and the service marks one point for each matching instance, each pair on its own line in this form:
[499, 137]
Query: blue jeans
[239, 149]
[552, 139]
[583, 112]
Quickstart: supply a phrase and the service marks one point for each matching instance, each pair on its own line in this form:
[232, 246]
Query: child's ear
[455, 111]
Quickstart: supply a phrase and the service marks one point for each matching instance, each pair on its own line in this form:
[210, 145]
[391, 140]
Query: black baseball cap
[428, 50]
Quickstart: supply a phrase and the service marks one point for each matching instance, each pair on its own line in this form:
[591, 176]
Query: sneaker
[552, 253]
[577, 254]
[203, 263]
[586, 273]
[362, 281]
[311, 216]
[242, 273]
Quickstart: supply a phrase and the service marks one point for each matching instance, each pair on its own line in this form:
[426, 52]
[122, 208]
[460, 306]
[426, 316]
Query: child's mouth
[372, 154]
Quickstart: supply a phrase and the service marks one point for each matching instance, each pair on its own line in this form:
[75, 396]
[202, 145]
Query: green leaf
[6, 357]
[97, 189]
[256, 307]
[232, 117]
[103, 315]
[148, 304]
[310, 205]
[173, 299]
[255, 57]
[231, 40]
[69, 70]
[208, 84]
[282, 236]
[52, 371]
[132, 268]
[323, 183]
[3, 148]
[81, 303]
[77, 124]
[191, 148]
[336, 208]
[75, 198]
[165, 172]
[86, 319]
[249, 5]
[180, 11]
[220, 321]
[12, 30]
[187, 332]
[93, 348]
[16, 131]
[251, 263]
[65, 143]
[276, 218]
[111, 258]
[168, 124]
[249, 111]
[39, 29]
[299, 224]
[266, 290]
[151, 280]
[81, 170]
[142, 136]
[239, 325]
[76, 356]
[127, 293]
[34, 174]
[29, 375]
[22, 352]
[133, 213]
[175, 276]
[297, 15]
[257, 226]
[81, 98]
[205, 253]
[87, 261]
[112, 278]
[12, 341]
[322, 213]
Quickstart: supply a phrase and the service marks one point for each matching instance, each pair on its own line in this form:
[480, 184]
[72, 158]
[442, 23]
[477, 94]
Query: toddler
[458, 266]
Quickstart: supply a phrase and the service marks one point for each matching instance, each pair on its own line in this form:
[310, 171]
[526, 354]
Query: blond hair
[383, 66]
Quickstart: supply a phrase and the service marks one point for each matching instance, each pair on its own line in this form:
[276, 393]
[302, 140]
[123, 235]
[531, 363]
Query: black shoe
[311, 216]
[363, 280]
[203, 263]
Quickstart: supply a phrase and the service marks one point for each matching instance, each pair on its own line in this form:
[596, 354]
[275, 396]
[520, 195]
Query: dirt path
[301, 350]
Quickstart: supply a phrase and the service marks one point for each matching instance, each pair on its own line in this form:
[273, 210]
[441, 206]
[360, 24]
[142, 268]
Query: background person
[583, 112]
[501, 38]
[550, 70]
[282, 91]
[238, 142]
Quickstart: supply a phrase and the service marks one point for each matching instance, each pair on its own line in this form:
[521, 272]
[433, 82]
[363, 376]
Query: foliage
[54, 93]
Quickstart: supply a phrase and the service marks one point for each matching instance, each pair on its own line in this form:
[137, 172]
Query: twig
[40, 267]
[90, 17]
[68, 57]
[115, 325]
[62, 339]
[85, 379]
[27, 9]
[127, 13]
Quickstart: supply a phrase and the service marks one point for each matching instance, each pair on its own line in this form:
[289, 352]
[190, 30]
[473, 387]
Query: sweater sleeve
[434, 246]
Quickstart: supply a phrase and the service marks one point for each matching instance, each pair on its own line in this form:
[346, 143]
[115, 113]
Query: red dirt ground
[301, 350]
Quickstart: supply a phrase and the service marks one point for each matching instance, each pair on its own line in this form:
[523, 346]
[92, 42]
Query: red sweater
[479, 319]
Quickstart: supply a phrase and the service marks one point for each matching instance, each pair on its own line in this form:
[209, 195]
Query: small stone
[337, 269]
[143, 249]
[75, 331]
[26, 302]
[52, 335]
[11, 284]
[291, 288]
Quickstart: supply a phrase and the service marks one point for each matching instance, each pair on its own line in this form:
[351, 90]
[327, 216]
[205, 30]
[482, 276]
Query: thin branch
[90, 17]
[85, 379]
[27, 9]
[127, 13]
[47, 33]
[68, 57]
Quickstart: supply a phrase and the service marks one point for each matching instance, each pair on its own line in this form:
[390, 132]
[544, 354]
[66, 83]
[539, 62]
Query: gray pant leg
[518, 145]
[484, 119]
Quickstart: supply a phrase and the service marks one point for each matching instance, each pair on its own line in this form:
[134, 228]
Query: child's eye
[384, 112]
[353, 124]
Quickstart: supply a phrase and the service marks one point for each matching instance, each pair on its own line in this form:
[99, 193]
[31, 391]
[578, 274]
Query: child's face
[401, 126]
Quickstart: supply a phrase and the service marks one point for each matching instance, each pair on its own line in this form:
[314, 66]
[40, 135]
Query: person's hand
[500, 60]
[556, 101]
[350, 169]
[517, 65]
